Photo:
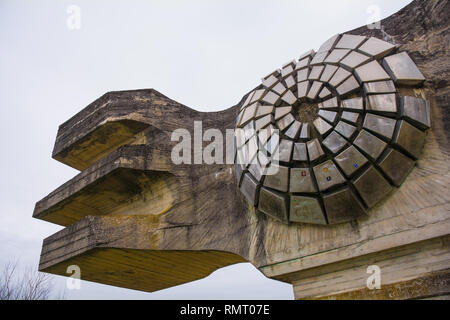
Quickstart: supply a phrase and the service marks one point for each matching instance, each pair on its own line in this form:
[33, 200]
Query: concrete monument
[360, 133]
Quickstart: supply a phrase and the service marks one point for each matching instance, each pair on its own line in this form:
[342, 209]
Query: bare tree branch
[26, 285]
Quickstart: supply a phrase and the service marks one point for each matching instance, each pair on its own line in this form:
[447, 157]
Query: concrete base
[416, 271]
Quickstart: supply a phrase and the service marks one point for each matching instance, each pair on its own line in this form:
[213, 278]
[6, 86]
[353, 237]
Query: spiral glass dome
[328, 136]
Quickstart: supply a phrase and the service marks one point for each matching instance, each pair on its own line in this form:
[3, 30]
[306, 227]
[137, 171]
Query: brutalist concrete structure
[360, 133]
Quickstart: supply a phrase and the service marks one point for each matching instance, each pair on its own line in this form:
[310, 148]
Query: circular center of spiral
[305, 111]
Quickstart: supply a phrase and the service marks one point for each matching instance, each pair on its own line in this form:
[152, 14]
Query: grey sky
[204, 54]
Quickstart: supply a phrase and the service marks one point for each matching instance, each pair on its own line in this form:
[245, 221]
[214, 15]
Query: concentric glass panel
[327, 136]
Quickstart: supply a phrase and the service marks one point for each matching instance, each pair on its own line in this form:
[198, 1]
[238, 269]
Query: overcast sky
[204, 54]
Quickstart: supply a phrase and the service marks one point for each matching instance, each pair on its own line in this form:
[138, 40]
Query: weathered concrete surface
[155, 208]
[136, 220]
